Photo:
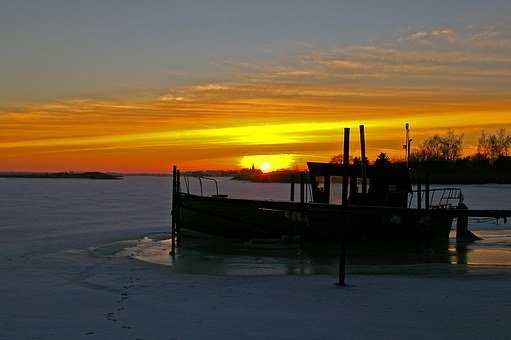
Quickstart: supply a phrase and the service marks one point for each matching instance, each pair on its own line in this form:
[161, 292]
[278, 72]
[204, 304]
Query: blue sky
[53, 49]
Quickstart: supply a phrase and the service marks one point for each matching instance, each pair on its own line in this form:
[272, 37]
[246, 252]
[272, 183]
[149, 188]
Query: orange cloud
[297, 109]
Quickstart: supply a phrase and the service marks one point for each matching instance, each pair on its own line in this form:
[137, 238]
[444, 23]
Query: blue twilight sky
[55, 49]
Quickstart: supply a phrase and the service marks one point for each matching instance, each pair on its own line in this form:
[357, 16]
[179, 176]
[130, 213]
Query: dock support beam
[345, 162]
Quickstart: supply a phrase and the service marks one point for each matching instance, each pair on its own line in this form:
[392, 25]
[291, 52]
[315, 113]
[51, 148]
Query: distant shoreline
[62, 175]
[440, 178]
[279, 176]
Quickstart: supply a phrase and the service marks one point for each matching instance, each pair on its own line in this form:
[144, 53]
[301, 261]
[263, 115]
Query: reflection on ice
[224, 257]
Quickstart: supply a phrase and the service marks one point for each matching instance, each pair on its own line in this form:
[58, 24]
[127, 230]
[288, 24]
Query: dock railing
[201, 181]
[439, 198]
[304, 188]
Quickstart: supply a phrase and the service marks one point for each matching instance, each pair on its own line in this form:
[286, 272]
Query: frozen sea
[88, 259]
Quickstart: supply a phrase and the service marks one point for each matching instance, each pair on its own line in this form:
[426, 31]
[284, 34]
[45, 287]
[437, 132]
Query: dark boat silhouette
[376, 203]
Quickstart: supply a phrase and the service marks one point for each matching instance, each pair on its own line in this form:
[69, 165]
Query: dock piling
[342, 263]
[342, 251]
[462, 232]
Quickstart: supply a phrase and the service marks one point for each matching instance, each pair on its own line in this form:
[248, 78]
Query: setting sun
[267, 163]
[266, 167]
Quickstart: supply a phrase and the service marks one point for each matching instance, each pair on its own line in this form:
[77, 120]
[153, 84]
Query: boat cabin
[373, 186]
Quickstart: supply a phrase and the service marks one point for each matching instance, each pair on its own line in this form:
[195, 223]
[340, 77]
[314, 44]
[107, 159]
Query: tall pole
[345, 164]
[363, 158]
[342, 262]
[178, 222]
[407, 145]
[173, 212]
[302, 208]
[345, 221]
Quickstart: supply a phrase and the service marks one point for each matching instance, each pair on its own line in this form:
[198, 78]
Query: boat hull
[255, 219]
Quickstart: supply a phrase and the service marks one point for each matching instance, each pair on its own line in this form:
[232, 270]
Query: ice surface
[54, 287]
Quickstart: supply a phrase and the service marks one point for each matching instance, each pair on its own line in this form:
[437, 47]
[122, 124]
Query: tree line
[441, 158]
[449, 147]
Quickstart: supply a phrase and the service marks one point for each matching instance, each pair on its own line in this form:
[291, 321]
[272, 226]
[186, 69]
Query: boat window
[336, 190]
[359, 183]
[320, 183]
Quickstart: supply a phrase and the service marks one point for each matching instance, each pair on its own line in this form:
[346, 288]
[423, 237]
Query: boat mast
[407, 145]
[363, 158]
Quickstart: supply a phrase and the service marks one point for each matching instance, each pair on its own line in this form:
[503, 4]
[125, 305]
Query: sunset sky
[135, 86]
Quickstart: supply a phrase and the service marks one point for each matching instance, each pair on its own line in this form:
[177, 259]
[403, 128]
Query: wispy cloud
[436, 78]
[430, 37]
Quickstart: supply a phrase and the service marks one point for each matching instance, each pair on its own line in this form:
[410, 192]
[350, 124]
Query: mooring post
[426, 195]
[363, 158]
[342, 252]
[173, 212]
[462, 224]
[419, 194]
[178, 217]
[342, 262]
[342, 235]
[345, 163]
[292, 198]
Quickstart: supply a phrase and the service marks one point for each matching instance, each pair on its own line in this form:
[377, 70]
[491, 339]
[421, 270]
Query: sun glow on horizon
[268, 163]
[266, 167]
[248, 102]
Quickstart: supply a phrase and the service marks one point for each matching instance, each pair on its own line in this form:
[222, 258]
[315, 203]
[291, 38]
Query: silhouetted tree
[382, 160]
[337, 159]
[495, 145]
[448, 147]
